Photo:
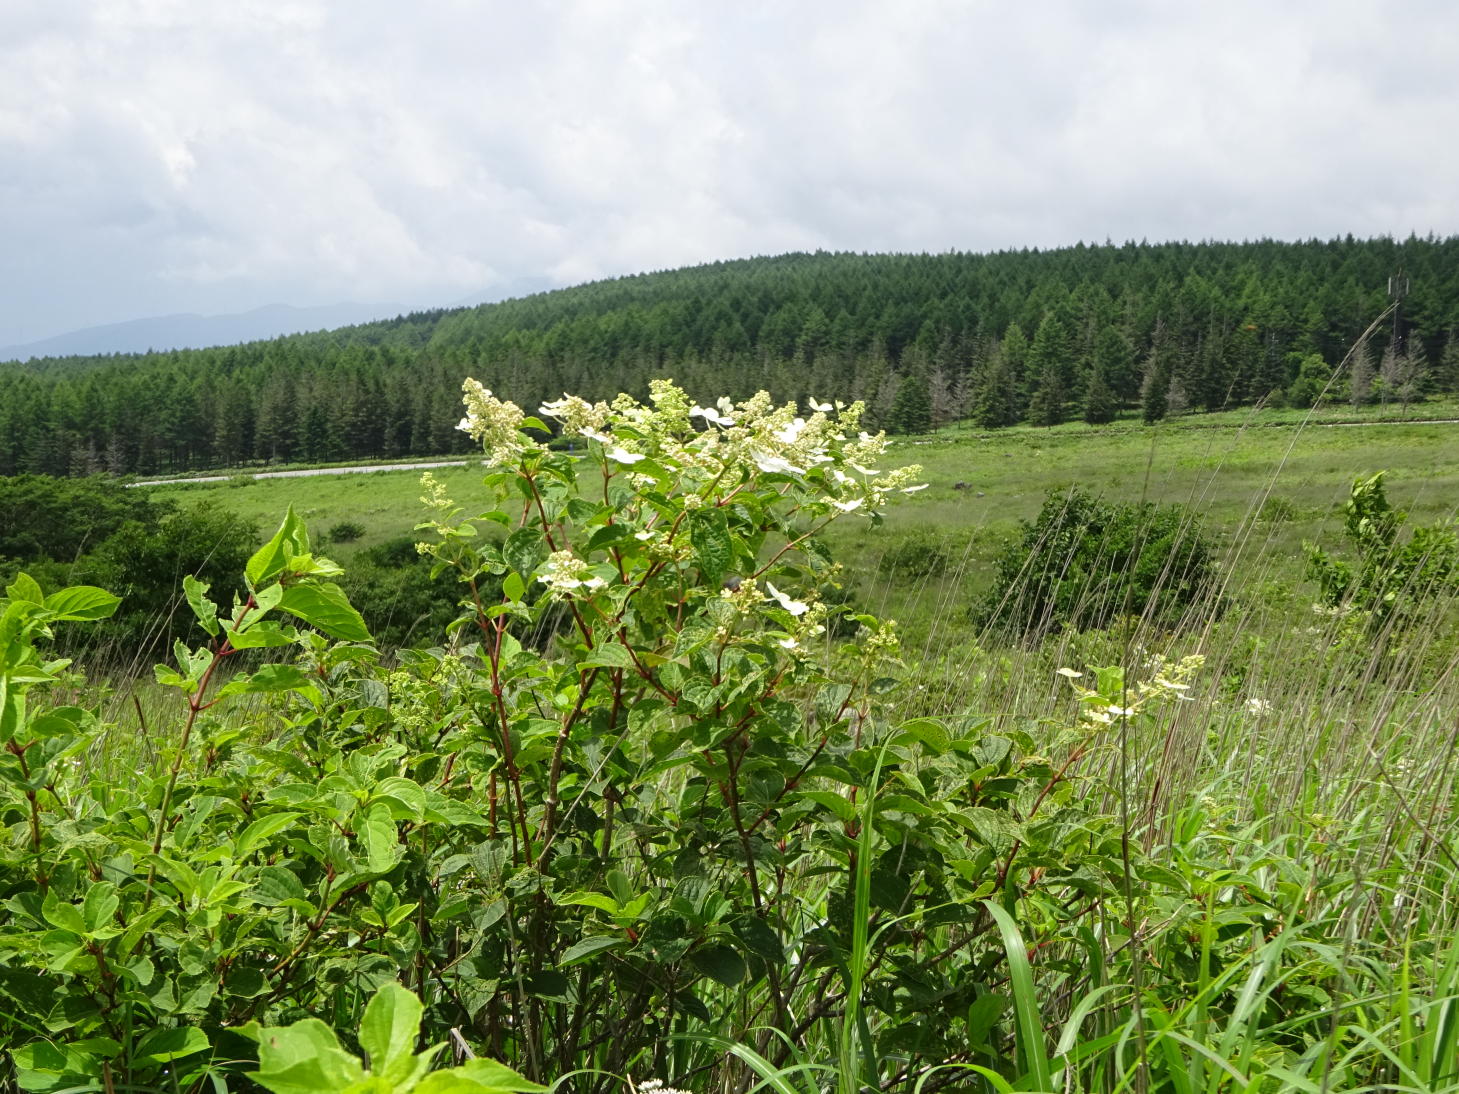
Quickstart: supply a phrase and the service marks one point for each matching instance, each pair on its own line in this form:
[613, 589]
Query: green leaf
[478, 1077]
[930, 732]
[160, 1045]
[714, 550]
[721, 963]
[585, 948]
[601, 901]
[377, 833]
[268, 678]
[197, 599]
[263, 634]
[61, 914]
[1025, 1001]
[304, 1058]
[260, 830]
[513, 587]
[523, 549]
[99, 906]
[269, 561]
[276, 884]
[324, 605]
[389, 1030]
[82, 602]
[760, 938]
[25, 588]
[612, 655]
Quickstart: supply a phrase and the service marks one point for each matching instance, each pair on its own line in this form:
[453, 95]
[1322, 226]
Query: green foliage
[1085, 562]
[1392, 579]
[306, 1057]
[346, 531]
[919, 555]
[391, 582]
[47, 518]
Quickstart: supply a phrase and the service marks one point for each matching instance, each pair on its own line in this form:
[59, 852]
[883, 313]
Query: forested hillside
[1039, 336]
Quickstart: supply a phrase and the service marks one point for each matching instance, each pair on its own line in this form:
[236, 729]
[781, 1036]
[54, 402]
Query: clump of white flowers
[702, 444]
[564, 572]
[1163, 679]
[494, 422]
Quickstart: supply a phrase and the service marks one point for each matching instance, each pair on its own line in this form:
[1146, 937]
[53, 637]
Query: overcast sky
[163, 156]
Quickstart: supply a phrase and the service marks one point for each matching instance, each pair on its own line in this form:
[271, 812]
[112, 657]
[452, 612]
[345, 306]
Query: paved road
[311, 471]
[308, 472]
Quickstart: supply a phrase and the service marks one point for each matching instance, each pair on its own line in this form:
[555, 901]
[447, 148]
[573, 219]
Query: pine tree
[1099, 399]
[1155, 389]
[995, 393]
[1047, 405]
[1446, 376]
[912, 408]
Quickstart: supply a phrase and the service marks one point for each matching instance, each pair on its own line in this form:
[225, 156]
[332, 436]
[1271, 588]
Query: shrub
[917, 556]
[1391, 578]
[346, 531]
[1084, 562]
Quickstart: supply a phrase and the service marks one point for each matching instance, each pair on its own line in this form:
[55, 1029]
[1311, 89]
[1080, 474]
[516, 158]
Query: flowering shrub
[637, 808]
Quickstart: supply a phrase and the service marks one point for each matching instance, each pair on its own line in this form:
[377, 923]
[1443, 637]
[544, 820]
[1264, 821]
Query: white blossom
[794, 607]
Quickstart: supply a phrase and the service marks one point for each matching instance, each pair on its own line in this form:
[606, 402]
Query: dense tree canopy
[1036, 335]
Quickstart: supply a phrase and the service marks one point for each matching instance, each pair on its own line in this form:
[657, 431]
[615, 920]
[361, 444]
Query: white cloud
[165, 155]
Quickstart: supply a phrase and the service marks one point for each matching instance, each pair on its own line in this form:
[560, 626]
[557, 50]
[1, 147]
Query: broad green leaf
[304, 1058]
[601, 901]
[25, 588]
[929, 731]
[759, 938]
[388, 1032]
[478, 1077]
[838, 804]
[523, 549]
[46, 1066]
[713, 548]
[268, 561]
[613, 655]
[268, 678]
[82, 602]
[99, 906]
[197, 599]
[277, 884]
[512, 586]
[324, 605]
[377, 834]
[257, 833]
[263, 634]
[64, 915]
[160, 1045]
[721, 963]
[585, 948]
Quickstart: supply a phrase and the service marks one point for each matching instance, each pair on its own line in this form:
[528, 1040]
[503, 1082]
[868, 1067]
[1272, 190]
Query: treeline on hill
[1039, 336]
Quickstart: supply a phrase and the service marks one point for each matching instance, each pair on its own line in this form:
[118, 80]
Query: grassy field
[1262, 483]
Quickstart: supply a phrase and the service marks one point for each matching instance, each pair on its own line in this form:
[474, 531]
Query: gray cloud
[164, 155]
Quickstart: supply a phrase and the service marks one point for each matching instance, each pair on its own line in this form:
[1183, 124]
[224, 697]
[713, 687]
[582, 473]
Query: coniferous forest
[1078, 333]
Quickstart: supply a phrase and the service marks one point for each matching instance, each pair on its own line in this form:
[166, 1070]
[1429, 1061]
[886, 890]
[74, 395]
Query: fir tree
[1099, 399]
[912, 408]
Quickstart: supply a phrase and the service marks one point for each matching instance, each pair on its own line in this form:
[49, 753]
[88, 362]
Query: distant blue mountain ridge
[191, 331]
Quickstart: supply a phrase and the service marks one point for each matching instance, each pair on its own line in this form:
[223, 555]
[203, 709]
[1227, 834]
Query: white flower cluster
[564, 572]
[1163, 680]
[753, 433]
[653, 1086]
[494, 422]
